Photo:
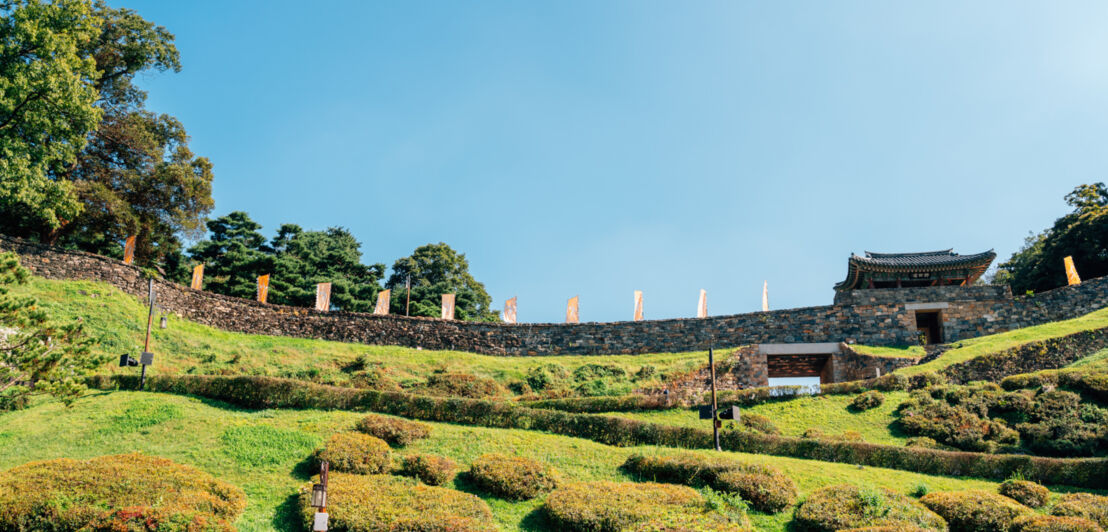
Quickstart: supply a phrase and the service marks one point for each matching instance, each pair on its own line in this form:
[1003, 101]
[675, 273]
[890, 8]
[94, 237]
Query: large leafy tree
[47, 109]
[1082, 234]
[304, 258]
[234, 255]
[37, 354]
[436, 269]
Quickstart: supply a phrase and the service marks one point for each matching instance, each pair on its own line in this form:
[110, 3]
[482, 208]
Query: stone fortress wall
[873, 317]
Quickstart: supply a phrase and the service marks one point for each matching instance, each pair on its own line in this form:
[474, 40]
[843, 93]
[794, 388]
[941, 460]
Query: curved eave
[856, 265]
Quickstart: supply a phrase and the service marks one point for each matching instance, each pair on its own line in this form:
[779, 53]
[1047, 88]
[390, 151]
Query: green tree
[234, 255]
[304, 258]
[47, 97]
[436, 269]
[37, 354]
[1082, 234]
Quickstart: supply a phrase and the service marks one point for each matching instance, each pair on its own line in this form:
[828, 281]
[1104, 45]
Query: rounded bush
[691, 522]
[766, 488]
[1084, 505]
[393, 430]
[354, 452]
[366, 503]
[432, 469]
[758, 423]
[888, 527]
[463, 385]
[616, 506]
[845, 506]
[1025, 492]
[768, 491]
[68, 495]
[975, 510]
[1053, 523]
[867, 400]
[512, 477]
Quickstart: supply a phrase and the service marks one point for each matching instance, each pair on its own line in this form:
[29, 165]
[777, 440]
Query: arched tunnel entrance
[800, 360]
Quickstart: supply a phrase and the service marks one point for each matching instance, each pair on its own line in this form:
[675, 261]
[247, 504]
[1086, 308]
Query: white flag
[702, 305]
[765, 296]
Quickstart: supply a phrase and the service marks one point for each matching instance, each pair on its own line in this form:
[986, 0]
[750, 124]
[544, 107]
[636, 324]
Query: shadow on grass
[536, 521]
[287, 517]
[306, 468]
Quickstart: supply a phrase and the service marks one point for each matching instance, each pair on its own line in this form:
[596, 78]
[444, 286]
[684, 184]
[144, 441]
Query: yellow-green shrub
[432, 469]
[463, 385]
[1085, 505]
[393, 430]
[1053, 523]
[766, 488]
[844, 506]
[975, 510]
[867, 400]
[615, 506]
[367, 503]
[512, 477]
[354, 452]
[1025, 492]
[889, 527]
[691, 522]
[64, 494]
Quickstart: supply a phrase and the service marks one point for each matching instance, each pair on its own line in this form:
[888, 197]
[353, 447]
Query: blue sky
[594, 148]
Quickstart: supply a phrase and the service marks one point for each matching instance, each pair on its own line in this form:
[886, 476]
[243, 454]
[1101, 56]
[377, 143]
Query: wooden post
[715, 421]
[149, 324]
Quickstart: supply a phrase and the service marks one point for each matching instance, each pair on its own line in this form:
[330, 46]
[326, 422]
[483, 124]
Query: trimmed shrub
[1025, 492]
[891, 382]
[690, 522]
[922, 442]
[588, 372]
[547, 376]
[1053, 523]
[393, 430]
[888, 527]
[766, 488]
[975, 510]
[867, 400]
[512, 477]
[68, 495]
[374, 379]
[432, 469]
[354, 452]
[616, 506]
[365, 503]
[847, 436]
[610, 403]
[758, 423]
[462, 385]
[1084, 505]
[845, 506]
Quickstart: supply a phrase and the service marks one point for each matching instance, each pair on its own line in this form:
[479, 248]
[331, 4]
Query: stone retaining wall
[874, 317]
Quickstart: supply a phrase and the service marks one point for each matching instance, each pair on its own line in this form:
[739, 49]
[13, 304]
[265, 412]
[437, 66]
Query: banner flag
[765, 296]
[638, 305]
[702, 305]
[129, 250]
[571, 310]
[510, 311]
[263, 287]
[383, 298]
[323, 297]
[197, 277]
[448, 306]
[1071, 271]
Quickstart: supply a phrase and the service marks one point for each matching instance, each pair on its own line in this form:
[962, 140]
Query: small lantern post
[319, 499]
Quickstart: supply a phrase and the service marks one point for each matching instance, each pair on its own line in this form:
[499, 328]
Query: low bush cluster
[867, 400]
[843, 507]
[68, 495]
[766, 488]
[1083, 505]
[1053, 523]
[431, 469]
[758, 423]
[610, 403]
[393, 430]
[847, 435]
[512, 477]
[629, 506]
[268, 392]
[462, 385]
[976, 510]
[1025, 492]
[366, 503]
[354, 452]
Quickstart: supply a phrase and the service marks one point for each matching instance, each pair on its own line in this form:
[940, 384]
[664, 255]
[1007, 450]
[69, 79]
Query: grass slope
[264, 451]
[187, 347]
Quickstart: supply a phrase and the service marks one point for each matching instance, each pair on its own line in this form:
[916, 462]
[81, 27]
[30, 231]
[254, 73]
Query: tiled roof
[925, 262]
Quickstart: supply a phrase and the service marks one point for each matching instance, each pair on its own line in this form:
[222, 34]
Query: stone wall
[1052, 353]
[875, 317]
[850, 365]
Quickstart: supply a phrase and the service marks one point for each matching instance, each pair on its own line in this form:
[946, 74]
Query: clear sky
[595, 148]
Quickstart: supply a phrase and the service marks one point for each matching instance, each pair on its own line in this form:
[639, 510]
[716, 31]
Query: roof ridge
[948, 251]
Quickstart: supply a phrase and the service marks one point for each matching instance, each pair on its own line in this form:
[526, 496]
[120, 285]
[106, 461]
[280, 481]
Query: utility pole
[149, 324]
[408, 301]
[715, 420]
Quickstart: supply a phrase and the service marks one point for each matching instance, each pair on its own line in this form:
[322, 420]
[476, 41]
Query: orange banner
[197, 277]
[510, 310]
[448, 306]
[571, 310]
[382, 307]
[323, 297]
[702, 305]
[263, 288]
[129, 250]
[638, 305]
[1071, 271]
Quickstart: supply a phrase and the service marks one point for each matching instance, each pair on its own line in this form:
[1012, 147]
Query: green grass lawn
[911, 351]
[828, 413]
[264, 451]
[186, 347]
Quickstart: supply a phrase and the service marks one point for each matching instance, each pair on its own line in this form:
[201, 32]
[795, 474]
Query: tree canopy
[304, 258]
[234, 255]
[437, 269]
[1082, 234]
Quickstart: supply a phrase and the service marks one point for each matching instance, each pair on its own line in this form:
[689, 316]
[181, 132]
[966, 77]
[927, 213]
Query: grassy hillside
[186, 347]
[263, 451]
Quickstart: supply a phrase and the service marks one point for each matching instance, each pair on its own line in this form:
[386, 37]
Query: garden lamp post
[319, 499]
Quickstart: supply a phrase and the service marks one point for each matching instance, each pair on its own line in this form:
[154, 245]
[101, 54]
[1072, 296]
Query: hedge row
[269, 392]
